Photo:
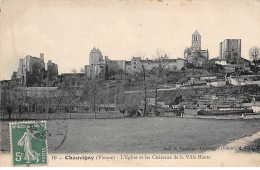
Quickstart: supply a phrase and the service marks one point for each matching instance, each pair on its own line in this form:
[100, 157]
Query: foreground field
[140, 135]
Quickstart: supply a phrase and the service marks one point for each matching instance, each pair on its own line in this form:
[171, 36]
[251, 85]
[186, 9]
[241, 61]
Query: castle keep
[230, 49]
[98, 65]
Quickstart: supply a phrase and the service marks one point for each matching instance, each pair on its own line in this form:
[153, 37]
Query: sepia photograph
[128, 83]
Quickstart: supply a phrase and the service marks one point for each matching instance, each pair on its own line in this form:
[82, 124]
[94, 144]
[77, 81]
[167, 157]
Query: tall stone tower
[196, 41]
[95, 57]
[230, 49]
[96, 64]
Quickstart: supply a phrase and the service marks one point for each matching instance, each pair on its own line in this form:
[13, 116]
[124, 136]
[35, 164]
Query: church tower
[196, 41]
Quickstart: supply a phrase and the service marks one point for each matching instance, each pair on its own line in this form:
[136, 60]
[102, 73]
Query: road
[169, 89]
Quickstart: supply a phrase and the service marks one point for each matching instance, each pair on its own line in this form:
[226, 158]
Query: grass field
[140, 135]
[253, 146]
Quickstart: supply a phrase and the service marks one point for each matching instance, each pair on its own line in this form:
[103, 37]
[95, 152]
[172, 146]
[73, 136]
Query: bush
[224, 112]
[67, 110]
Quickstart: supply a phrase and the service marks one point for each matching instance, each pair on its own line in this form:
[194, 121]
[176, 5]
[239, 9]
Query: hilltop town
[144, 83]
[192, 85]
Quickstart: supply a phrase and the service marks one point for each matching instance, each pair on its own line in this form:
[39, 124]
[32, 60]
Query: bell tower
[196, 41]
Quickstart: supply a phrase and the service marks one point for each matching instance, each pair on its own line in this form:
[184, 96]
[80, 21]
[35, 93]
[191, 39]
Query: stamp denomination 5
[28, 143]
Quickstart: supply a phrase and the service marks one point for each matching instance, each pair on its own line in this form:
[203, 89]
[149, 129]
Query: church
[194, 55]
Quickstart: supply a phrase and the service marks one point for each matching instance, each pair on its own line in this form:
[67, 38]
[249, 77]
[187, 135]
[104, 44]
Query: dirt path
[234, 154]
[241, 143]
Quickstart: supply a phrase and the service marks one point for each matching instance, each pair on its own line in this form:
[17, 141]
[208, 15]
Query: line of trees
[152, 77]
[98, 91]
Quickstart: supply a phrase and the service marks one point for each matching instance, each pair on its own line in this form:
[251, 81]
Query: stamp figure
[28, 143]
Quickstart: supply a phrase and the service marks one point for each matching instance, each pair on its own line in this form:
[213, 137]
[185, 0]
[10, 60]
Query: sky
[66, 30]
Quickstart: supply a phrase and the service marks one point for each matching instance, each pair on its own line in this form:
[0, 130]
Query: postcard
[149, 83]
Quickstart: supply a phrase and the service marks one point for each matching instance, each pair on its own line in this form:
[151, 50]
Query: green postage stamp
[28, 143]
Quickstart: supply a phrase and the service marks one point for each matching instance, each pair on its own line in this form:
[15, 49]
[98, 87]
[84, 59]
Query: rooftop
[196, 33]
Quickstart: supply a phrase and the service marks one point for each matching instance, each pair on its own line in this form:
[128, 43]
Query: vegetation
[108, 89]
[253, 146]
[94, 93]
[37, 75]
[254, 55]
[145, 135]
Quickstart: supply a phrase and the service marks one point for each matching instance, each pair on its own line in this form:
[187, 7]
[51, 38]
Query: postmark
[28, 142]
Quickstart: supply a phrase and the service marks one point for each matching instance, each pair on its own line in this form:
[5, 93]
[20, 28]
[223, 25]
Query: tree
[7, 102]
[131, 104]
[162, 61]
[254, 55]
[69, 90]
[120, 96]
[82, 70]
[213, 68]
[144, 73]
[93, 92]
[74, 70]
[36, 75]
[52, 72]
[12, 100]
